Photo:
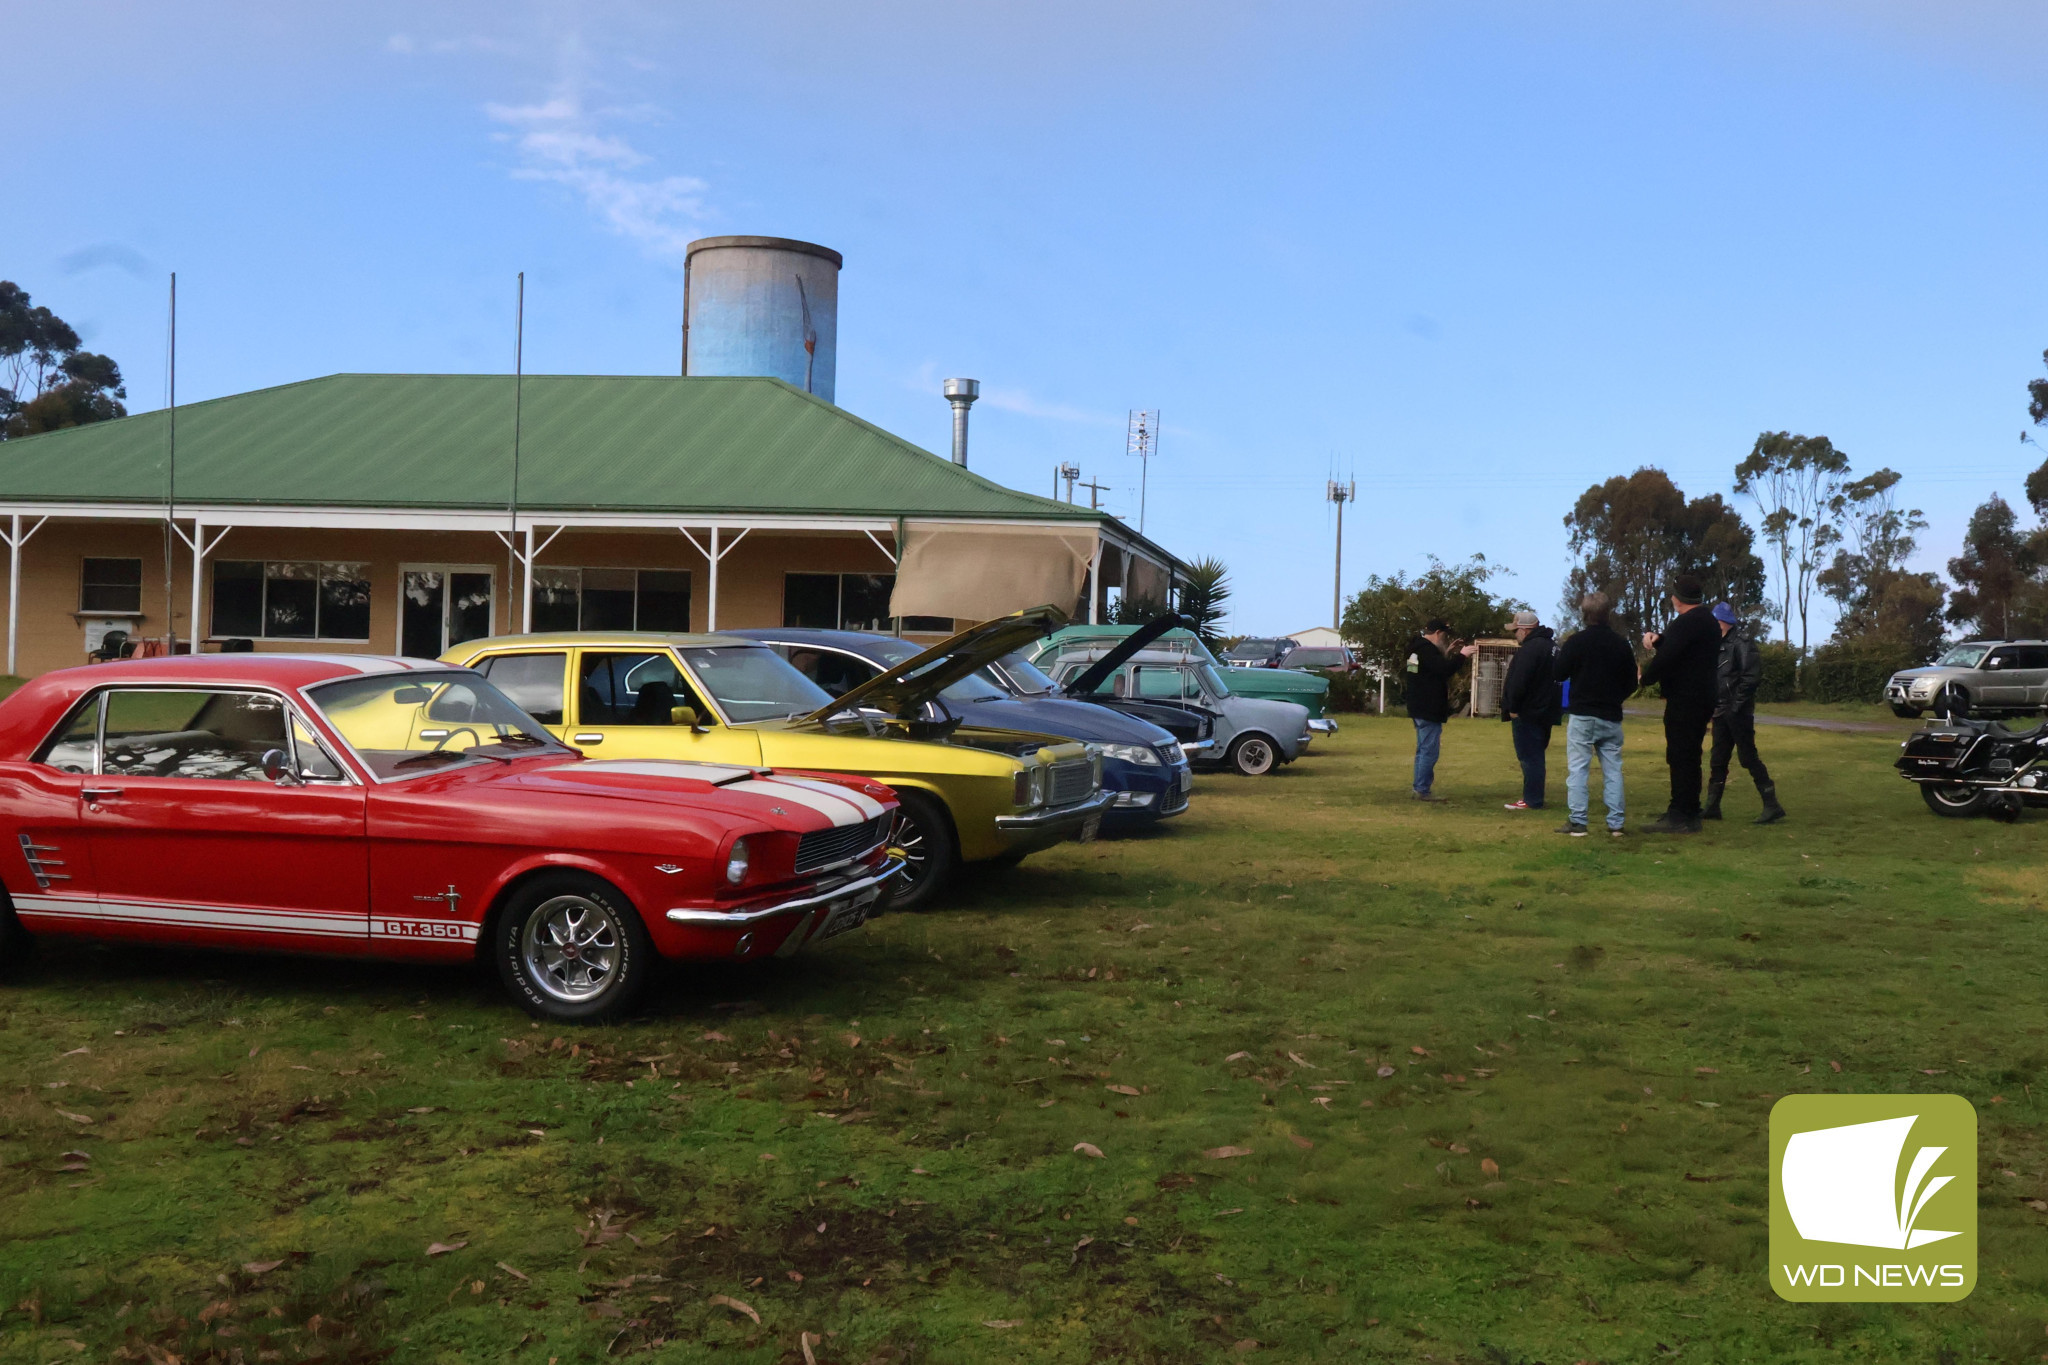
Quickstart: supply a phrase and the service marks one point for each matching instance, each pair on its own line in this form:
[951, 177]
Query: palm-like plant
[1202, 594]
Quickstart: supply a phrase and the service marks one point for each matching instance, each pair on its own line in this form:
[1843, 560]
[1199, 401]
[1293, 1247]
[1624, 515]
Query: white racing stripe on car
[666, 767]
[829, 804]
[869, 807]
[223, 918]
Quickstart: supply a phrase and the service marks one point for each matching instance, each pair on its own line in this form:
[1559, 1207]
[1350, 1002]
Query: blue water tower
[762, 305]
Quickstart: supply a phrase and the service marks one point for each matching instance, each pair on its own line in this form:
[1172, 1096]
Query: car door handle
[588, 739]
[99, 793]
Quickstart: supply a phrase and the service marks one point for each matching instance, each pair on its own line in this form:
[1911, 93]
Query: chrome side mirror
[278, 768]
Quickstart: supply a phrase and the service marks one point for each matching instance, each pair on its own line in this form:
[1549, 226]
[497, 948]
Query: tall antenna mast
[1072, 474]
[512, 498]
[1142, 440]
[1339, 493]
[171, 490]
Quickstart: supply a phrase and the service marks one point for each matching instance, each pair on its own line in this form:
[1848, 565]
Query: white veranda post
[16, 538]
[201, 547]
[526, 555]
[712, 553]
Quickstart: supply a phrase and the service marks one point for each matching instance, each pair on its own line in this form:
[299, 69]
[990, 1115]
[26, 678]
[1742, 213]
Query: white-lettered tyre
[570, 947]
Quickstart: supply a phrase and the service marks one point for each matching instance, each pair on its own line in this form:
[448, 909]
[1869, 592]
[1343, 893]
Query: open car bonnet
[903, 690]
[1112, 661]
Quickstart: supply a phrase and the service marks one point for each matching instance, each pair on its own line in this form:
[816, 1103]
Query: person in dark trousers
[1433, 658]
[1686, 661]
[1528, 703]
[1741, 669]
[1596, 671]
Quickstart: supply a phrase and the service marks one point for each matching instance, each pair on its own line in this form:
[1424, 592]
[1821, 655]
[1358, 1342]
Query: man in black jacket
[1528, 703]
[1741, 670]
[1432, 660]
[1596, 671]
[1686, 659]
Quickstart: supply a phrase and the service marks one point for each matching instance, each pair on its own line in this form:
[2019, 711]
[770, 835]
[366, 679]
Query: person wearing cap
[1741, 669]
[1433, 658]
[1528, 703]
[1686, 661]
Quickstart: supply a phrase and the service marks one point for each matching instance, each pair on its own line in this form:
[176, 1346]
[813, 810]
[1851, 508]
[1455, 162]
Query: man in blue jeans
[1433, 657]
[1597, 671]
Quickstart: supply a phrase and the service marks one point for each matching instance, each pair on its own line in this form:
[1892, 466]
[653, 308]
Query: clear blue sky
[1479, 255]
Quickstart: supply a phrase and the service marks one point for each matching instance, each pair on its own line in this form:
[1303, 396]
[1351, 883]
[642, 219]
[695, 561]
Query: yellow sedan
[968, 794]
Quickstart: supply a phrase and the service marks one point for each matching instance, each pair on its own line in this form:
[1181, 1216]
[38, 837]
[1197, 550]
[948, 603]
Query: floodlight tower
[1142, 440]
[1339, 493]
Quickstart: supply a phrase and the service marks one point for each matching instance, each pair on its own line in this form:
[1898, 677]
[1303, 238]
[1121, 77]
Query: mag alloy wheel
[925, 835]
[570, 947]
[1252, 756]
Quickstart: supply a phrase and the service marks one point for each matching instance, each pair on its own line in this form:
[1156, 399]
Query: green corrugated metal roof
[587, 443]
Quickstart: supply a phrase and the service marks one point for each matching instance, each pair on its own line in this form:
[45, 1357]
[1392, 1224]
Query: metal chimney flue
[961, 393]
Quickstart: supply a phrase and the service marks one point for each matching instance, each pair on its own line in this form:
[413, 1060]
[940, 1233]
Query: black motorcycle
[1977, 767]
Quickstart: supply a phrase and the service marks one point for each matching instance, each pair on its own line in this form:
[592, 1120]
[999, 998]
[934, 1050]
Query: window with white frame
[291, 599]
[611, 599]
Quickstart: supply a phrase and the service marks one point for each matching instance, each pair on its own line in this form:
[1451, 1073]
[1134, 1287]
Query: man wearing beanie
[1528, 703]
[1741, 669]
[1686, 661]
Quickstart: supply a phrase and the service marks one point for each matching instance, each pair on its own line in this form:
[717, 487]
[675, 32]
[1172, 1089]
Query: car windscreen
[977, 686]
[753, 682]
[1314, 658]
[1963, 656]
[1253, 649]
[1026, 677]
[407, 724]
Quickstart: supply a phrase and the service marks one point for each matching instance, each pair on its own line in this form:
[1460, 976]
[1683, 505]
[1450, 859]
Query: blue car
[1142, 765]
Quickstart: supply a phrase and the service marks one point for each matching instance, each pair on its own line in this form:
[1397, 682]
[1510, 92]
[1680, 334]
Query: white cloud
[560, 141]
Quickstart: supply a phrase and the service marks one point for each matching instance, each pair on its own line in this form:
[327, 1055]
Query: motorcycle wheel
[1905, 712]
[1953, 800]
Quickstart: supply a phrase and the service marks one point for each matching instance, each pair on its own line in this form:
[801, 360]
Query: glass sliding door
[440, 607]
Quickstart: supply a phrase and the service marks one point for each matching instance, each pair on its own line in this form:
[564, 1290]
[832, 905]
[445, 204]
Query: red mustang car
[405, 809]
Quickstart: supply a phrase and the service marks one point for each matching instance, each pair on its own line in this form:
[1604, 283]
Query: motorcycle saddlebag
[1935, 752]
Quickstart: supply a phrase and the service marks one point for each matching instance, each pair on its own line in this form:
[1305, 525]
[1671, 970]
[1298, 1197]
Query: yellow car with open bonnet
[969, 794]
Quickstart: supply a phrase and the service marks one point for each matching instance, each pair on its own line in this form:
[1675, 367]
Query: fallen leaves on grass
[1088, 1149]
[75, 1118]
[1300, 1141]
[442, 1248]
[850, 1039]
[727, 1301]
[260, 1267]
[1002, 1324]
[1419, 1051]
[1224, 1153]
[1297, 1059]
[515, 1274]
[1122, 1089]
[1384, 1072]
[714, 1037]
[1236, 1057]
[1489, 1168]
[1834, 1066]
[1714, 1070]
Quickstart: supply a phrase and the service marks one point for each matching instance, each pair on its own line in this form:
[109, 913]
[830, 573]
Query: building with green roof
[406, 513]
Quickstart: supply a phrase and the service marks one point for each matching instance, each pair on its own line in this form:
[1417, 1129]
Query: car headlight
[1172, 754]
[736, 862]
[1132, 753]
[1922, 686]
[1031, 786]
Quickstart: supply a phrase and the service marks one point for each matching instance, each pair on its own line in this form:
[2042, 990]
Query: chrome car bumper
[1053, 817]
[1323, 725]
[826, 913]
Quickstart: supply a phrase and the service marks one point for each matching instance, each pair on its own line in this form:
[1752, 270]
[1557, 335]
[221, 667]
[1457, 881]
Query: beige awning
[1144, 581]
[979, 572]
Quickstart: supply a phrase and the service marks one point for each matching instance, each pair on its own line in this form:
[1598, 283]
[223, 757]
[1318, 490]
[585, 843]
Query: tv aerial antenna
[1141, 439]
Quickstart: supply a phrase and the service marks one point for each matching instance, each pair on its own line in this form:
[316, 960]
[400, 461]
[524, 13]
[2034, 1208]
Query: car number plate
[1186, 779]
[845, 917]
[1090, 827]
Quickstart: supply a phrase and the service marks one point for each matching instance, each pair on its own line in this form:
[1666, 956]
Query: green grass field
[1503, 1098]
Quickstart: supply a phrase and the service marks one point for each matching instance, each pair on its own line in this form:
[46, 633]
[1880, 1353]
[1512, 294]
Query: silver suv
[1982, 678]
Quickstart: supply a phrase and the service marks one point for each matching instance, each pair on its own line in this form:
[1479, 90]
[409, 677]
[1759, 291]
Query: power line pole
[1069, 472]
[1339, 493]
[1095, 492]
